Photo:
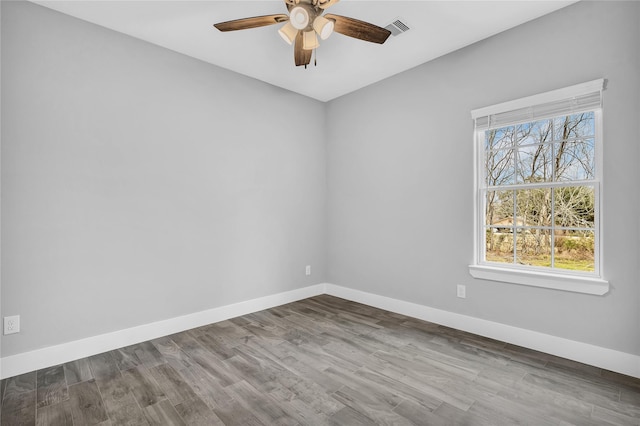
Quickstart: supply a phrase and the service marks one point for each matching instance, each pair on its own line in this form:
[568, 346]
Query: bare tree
[560, 149]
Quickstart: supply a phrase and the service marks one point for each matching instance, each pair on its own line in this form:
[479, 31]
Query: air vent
[397, 27]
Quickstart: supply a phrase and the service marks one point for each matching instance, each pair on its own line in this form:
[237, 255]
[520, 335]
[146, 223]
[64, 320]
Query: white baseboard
[53, 355]
[608, 359]
[600, 357]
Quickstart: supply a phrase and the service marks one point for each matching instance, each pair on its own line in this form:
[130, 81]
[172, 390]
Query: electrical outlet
[308, 270]
[12, 324]
[462, 291]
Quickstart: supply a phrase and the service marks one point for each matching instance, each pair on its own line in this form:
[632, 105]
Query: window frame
[536, 105]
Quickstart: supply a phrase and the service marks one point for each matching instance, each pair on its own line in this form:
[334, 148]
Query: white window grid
[484, 188]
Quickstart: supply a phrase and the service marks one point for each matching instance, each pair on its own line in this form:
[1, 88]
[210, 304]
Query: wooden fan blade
[301, 56]
[325, 4]
[359, 29]
[254, 22]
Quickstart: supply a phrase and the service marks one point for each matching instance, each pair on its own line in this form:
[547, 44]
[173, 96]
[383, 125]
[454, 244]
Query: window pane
[574, 126]
[533, 247]
[499, 167]
[575, 250]
[499, 245]
[575, 160]
[534, 133]
[534, 164]
[499, 208]
[533, 207]
[574, 206]
[499, 138]
[537, 184]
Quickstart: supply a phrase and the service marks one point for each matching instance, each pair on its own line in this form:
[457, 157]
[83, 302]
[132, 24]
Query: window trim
[589, 283]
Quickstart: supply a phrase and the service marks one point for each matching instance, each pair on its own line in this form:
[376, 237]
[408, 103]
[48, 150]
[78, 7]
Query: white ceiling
[344, 64]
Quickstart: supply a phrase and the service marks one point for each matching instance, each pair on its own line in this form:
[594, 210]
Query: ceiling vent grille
[397, 27]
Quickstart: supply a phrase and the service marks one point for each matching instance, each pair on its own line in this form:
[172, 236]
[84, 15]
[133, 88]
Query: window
[538, 190]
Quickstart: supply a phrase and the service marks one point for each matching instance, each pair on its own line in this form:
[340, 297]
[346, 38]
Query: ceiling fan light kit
[305, 24]
[323, 27]
[310, 40]
[288, 32]
[299, 17]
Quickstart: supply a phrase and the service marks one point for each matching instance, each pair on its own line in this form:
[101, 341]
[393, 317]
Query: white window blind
[570, 100]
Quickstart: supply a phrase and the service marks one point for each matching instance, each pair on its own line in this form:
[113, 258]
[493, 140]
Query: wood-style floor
[321, 361]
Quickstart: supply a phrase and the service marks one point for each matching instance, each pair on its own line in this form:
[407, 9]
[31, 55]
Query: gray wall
[400, 174]
[139, 184]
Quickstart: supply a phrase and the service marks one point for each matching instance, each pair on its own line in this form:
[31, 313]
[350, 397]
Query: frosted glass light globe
[299, 17]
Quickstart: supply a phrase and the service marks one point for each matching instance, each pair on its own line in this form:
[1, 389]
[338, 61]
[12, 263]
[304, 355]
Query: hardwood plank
[19, 408]
[455, 416]
[227, 332]
[500, 410]
[51, 386]
[55, 415]
[351, 417]
[172, 384]
[420, 414]
[19, 384]
[310, 373]
[563, 407]
[125, 358]
[260, 404]
[103, 366]
[630, 396]
[77, 371]
[608, 416]
[149, 355]
[433, 384]
[259, 371]
[144, 353]
[128, 413]
[215, 345]
[327, 358]
[3, 386]
[371, 401]
[315, 396]
[119, 401]
[163, 414]
[269, 334]
[145, 389]
[172, 353]
[194, 412]
[405, 391]
[575, 388]
[304, 414]
[526, 356]
[210, 390]
[213, 365]
[86, 404]
[234, 414]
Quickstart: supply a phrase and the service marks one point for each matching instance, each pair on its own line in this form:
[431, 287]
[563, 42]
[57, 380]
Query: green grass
[561, 262]
[575, 264]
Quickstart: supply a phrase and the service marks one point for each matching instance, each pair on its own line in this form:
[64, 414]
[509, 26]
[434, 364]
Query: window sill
[575, 284]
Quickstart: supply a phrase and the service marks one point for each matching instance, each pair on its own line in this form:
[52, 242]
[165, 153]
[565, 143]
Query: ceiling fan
[305, 23]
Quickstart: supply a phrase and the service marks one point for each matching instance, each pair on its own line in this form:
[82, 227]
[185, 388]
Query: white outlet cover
[462, 291]
[12, 324]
